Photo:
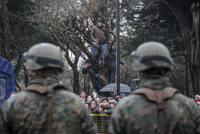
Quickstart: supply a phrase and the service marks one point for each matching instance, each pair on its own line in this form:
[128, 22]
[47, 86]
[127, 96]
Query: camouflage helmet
[43, 56]
[151, 55]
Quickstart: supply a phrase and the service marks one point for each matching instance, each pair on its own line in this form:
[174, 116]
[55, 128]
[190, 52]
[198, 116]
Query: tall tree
[24, 32]
[65, 45]
[187, 13]
[69, 21]
[5, 33]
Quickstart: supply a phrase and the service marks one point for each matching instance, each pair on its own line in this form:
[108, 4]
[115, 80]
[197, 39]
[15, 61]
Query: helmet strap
[156, 71]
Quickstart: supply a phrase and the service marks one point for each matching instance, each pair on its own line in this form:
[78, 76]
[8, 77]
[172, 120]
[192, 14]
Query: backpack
[49, 89]
[158, 97]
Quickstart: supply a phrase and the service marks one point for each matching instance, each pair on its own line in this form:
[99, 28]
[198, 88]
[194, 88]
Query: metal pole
[118, 51]
[186, 73]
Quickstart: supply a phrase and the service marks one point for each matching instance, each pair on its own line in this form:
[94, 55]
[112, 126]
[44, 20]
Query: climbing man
[101, 36]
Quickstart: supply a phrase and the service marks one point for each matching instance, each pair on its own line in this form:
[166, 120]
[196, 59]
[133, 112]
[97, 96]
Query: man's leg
[96, 82]
[103, 49]
[108, 75]
[94, 49]
[99, 86]
[112, 74]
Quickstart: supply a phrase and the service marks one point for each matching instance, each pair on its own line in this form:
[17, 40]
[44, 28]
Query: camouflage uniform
[27, 112]
[137, 115]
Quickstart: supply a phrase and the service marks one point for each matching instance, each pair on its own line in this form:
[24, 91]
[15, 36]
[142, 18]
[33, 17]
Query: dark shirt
[109, 110]
[112, 61]
[91, 70]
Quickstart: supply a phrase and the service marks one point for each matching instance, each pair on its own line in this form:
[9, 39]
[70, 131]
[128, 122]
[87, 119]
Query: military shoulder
[70, 96]
[131, 100]
[185, 100]
[10, 101]
[180, 97]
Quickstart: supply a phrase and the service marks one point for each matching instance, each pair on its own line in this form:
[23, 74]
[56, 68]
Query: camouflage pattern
[26, 113]
[137, 115]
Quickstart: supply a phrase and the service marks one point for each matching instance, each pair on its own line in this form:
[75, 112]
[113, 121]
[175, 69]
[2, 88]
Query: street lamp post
[118, 51]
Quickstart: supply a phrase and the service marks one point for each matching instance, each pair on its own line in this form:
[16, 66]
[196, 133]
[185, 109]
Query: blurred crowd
[100, 104]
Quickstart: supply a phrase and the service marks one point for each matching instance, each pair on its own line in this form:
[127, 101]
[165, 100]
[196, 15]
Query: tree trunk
[195, 49]
[17, 87]
[188, 17]
[76, 81]
[17, 70]
[87, 87]
[4, 30]
[25, 77]
[18, 66]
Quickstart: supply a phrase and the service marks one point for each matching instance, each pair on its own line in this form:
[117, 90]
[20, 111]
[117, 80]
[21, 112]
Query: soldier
[154, 108]
[45, 106]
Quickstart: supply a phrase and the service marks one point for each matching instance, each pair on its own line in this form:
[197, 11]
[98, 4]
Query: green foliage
[21, 73]
[157, 24]
[153, 24]
[174, 43]
[26, 32]
[21, 6]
